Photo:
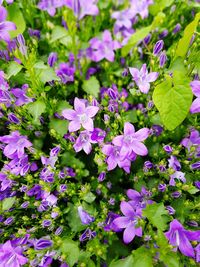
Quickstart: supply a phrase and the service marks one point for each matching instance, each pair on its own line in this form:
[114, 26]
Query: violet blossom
[177, 175]
[141, 7]
[5, 26]
[81, 116]
[85, 217]
[195, 107]
[50, 5]
[66, 72]
[143, 78]
[87, 235]
[104, 48]
[83, 142]
[180, 238]
[131, 141]
[128, 222]
[82, 8]
[139, 200]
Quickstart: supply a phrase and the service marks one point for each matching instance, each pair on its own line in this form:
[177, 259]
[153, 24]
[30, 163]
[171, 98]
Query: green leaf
[89, 197]
[142, 258]
[131, 116]
[74, 221]
[58, 33]
[173, 99]
[7, 203]
[62, 105]
[159, 5]
[60, 126]
[135, 38]
[36, 109]
[184, 42]
[13, 69]
[48, 75]
[91, 86]
[70, 250]
[15, 15]
[157, 215]
[127, 262]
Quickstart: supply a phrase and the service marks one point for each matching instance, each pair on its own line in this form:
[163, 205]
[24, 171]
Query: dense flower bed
[99, 133]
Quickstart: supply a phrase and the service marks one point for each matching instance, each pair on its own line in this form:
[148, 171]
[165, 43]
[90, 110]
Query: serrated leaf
[60, 126]
[16, 16]
[36, 109]
[184, 42]
[7, 203]
[13, 69]
[91, 86]
[58, 33]
[48, 75]
[127, 262]
[142, 258]
[159, 5]
[89, 197]
[70, 250]
[173, 99]
[157, 215]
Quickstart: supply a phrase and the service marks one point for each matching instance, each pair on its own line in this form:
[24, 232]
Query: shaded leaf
[7, 203]
[60, 126]
[127, 262]
[13, 69]
[91, 86]
[70, 250]
[36, 109]
[16, 16]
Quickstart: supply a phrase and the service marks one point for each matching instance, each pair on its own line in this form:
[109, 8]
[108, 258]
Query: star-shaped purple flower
[131, 141]
[104, 48]
[195, 107]
[81, 116]
[83, 142]
[50, 5]
[128, 222]
[142, 78]
[5, 26]
[180, 237]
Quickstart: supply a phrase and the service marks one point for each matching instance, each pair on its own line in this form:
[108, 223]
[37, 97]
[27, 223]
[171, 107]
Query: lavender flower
[180, 238]
[143, 78]
[82, 8]
[141, 7]
[123, 18]
[139, 200]
[11, 256]
[42, 244]
[52, 59]
[162, 59]
[85, 217]
[104, 48]
[195, 107]
[158, 47]
[66, 73]
[5, 26]
[87, 235]
[83, 142]
[50, 5]
[177, 175]
[197, 250]
[81, 116]
[16, 144]
[128, 222]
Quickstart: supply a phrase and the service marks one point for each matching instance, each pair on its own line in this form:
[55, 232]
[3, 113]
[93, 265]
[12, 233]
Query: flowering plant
[99, 133]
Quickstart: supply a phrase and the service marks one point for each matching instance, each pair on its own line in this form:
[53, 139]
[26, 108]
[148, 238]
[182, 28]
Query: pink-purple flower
[128, 222]
[142, 78]
[195, 107]
[5, 26]
[50, 5]
[104, 48]
[81, 116]
[83, 142]
[180, 238]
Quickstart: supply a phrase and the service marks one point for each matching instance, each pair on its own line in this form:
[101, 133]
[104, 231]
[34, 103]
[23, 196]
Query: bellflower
[42, 244]
[131, 141]
[81, 116]
[197, 250]
[180, 238]
[123, 18]
[50, 5]
[5, 26]
[11, 256]
[66, 72]
[195, 107]
[141, 7]
[114, 158]
[20, 95]
[143, 78]
[16, 144]
[139, 200]
[104, 48]
[192, 140]
[177, 175]
[87, 235]
[18, 165]
[82, 8]
[128, 222]
[85, 217]
[174, 163]
[83, 142]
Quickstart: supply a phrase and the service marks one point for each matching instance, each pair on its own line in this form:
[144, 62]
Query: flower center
[84, 138]
[83, 118]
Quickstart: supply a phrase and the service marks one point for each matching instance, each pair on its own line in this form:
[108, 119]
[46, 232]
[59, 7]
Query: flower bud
[158, 47]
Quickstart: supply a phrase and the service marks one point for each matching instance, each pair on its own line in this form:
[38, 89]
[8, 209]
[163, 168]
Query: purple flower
[174, 163]
[52, 59]
[85, 217]
[18, 165]
[21, 96]
[141, 7]
[197, 250]
[181, 238]
[98, 135]
[81, 116]
[13, 118]
[82, 8]
[114, 158]
[139, 200]
[196, 165]
[47, 175]
[87, 235]
[158, 47]
[162, 187]
[168, 149]
[104, 48]
[16, 144]
[11, 256]
[22, 44]
[131, 141]
[123, 18]
[143, 78]
[83, 142]
[170, 210]
[178, 175]
[50, 5]
[128, 222]
[195, 107]
[42, 244]
[66, 72]
[162, 59]
[5, 26]
[192, 140]
[177, 28]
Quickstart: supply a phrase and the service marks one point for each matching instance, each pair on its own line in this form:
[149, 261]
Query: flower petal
[92, 111]
[121, 222]
[128, 128]
[151, 77]
[142, 134]
[127, 209]
[79, 105]
[129, 234]
[88, 125]
[139, 148]
[69, 114]
[195, 107]
[74, 126]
